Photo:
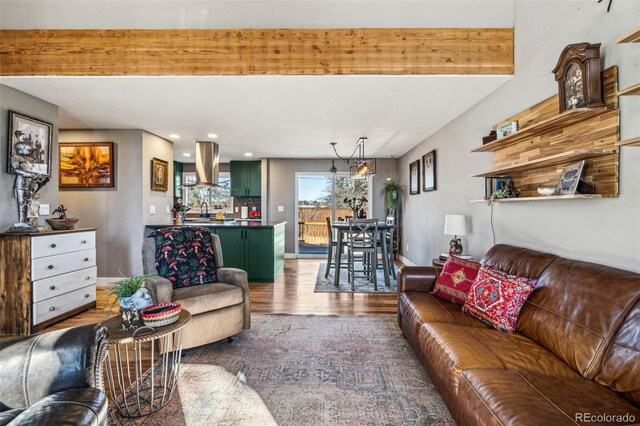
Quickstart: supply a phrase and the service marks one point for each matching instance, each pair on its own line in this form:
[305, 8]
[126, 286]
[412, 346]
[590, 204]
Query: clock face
[573, 86]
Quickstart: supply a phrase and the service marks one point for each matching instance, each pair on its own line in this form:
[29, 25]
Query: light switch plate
[168, 209]
[44, 209]
[152, 209]
[280, 209]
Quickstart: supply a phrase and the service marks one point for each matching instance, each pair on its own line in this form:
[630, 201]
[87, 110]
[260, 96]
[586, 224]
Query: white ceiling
[270, 116]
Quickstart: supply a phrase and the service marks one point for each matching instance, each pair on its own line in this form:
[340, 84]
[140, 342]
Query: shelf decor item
[569, 178]
[132, 296]
[578, 75]
[62, 222]
[37, 134]
[159, 175]
[429, 171]
[506, 129]
[414, 178]
[454, 225]
[546, 191]
[161, 314]
[86, 165]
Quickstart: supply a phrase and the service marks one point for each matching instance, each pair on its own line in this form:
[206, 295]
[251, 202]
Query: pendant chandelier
[359, 167]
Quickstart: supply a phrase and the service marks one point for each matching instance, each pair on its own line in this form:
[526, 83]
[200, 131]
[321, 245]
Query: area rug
[314, 370]
[362, 285]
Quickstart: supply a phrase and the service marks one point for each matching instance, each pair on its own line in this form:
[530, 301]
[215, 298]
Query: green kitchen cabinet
[232, 242]
[246, 178]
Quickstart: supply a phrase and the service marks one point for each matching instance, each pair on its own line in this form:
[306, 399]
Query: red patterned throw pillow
[497, 298]
[456, 279]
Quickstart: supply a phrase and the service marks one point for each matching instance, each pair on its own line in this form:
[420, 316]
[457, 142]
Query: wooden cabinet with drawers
[45, 277]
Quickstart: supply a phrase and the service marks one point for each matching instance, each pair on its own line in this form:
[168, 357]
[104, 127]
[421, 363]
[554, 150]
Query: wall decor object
[506, 129]
[429, 171]
[569, 178]
[414, 177]
[159, 175]
[578, 75]
[86, 165]
[37, 134]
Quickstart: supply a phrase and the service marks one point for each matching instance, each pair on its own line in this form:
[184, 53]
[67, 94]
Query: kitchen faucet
[206, 206]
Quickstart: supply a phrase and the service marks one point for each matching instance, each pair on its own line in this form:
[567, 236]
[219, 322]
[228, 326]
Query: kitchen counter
[239, 223]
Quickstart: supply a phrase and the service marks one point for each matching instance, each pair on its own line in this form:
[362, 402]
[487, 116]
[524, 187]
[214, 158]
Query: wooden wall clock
[578, 77]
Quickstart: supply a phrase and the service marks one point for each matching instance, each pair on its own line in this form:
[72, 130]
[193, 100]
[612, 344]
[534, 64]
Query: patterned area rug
[362, 285]
[313, 370]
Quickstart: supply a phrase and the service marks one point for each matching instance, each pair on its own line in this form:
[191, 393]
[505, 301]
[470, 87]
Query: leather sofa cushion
[7, 416]
[508, 397]
[208, 297]
[80, 406]
[518, 261]
[420, 307]
[452, 349]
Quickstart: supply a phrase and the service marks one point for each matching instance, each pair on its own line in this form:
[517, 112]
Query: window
[217, 198]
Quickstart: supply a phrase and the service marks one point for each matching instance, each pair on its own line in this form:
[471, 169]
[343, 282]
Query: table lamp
[455, 224]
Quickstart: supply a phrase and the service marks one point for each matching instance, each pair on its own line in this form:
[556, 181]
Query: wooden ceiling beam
[357, 51]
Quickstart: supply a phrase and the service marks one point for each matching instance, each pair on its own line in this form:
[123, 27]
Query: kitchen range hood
[207, 165]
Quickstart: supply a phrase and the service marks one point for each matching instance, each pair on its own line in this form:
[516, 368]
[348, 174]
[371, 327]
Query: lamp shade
[455, 224]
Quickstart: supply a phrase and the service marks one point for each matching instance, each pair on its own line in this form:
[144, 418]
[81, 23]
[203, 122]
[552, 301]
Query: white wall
[605, 231]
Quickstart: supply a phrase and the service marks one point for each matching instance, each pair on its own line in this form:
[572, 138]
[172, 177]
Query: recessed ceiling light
[248, 154]
[186, 154]
[174, 136]
[212, 135]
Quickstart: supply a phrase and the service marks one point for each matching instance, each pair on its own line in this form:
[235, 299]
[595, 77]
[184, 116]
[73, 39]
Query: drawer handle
[53, 287]
[53, 308]
[50, 266]
[86, 259]
[87, 296]
[83, 242]
[53, 245]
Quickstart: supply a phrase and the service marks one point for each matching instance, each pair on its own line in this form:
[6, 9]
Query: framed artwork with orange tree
[86, 165]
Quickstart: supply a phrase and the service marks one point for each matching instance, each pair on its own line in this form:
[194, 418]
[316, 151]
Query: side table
[136, 393]
[438, 264]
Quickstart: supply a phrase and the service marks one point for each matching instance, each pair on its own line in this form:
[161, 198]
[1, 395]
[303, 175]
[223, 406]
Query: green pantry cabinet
[257, 250]
[246, 178]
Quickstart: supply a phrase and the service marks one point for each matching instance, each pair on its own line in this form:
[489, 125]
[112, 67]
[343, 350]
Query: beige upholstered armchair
[219, 310]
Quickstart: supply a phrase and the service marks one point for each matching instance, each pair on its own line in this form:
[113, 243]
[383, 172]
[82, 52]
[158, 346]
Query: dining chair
[390, 243]
[332, 245]
[362, 243]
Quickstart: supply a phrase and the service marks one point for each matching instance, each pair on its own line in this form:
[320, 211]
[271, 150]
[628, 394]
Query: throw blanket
[184, 256]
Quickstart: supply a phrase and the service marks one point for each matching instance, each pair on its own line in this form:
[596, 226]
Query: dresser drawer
[60, 284]
[81, 241]
[46, 267]
[48, 245]
[50, 308]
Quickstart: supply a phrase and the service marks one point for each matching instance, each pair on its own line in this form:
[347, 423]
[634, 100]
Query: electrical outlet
[280, 209]
[152, 209]
[168, 209]
[237, 209]
[407, 247]
[44, 209]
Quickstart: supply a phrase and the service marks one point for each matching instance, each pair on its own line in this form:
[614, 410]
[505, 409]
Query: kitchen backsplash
[250, 202]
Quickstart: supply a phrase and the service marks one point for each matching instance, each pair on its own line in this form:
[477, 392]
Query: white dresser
[47, 277]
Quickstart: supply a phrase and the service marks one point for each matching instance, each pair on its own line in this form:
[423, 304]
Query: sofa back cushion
[517, 261]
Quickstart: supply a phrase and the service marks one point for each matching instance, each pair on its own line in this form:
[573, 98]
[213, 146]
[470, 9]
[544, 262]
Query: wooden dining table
[342, 228]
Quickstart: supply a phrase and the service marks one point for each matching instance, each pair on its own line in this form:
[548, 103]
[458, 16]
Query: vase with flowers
[356, 204]
[132, 296]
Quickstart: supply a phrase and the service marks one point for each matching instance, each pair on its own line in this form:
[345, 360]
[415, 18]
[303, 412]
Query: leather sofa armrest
[238, 278]
[161, 289]
[33, 367]
[416, 278]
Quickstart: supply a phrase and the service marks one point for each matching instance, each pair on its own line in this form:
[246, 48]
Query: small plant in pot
[132, 296]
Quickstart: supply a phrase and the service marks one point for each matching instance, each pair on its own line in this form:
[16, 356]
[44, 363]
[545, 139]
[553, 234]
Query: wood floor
[292, 294]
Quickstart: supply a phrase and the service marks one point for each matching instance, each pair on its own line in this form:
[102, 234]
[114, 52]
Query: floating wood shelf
[632, 37]
[629, 142]
[630, 91]
[541, 198]
[553, 160]
[556, 122]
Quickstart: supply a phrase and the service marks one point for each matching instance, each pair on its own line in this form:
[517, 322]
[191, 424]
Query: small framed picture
[501, 183]
[569, 178]
[506, 129]
[429, 171]
[29, 134]
[414, 177]
[86, 165]
[159, 175]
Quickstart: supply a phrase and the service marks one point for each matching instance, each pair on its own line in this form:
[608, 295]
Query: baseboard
[406, 261]
[106, 281]
[289, 255]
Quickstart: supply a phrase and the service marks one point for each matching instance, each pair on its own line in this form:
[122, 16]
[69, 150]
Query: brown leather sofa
[575, 358]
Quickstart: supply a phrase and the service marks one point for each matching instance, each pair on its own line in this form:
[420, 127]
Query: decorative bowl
[62, 224]
[546, 191]
[161, 314]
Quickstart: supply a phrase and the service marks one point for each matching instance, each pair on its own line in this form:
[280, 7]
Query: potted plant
[392, 191]
[132, 296]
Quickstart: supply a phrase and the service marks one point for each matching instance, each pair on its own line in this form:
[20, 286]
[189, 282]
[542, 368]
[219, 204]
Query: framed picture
[429, 171]
[159, 175]
[501, 183]
[506, 129]
[86, 165]
[414, 177]
[569, 178]
[35, 133]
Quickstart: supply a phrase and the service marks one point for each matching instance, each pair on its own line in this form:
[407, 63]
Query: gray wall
[281, 191]
[11, 99]
[156, 147]
[605, 231]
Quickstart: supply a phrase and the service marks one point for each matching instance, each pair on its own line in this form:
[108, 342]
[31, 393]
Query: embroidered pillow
[497, 298]
[456, 279]
[184, 256]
